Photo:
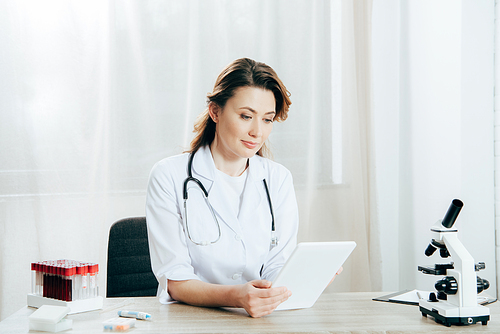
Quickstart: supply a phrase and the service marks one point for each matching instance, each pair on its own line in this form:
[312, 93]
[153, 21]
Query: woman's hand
[259, 299]
[256, 297]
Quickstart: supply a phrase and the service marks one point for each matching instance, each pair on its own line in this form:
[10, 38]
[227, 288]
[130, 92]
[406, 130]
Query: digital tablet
[309, 269]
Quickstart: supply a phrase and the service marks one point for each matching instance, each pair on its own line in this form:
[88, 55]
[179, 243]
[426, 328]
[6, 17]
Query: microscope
[455, 302]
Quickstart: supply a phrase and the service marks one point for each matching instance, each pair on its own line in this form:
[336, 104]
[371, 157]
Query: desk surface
[332, 313]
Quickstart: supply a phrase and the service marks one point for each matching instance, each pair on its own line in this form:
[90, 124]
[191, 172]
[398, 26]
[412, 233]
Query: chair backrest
[129, 265]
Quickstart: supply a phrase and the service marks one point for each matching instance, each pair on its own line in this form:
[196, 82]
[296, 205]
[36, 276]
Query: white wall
[433, 91]
[497, 135]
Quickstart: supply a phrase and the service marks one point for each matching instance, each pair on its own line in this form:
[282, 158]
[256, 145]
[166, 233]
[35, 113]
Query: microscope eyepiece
[430, 250]
[443, 252]
[452, 213]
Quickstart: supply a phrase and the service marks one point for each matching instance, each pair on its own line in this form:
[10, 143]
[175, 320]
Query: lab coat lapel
[204, 169]
[252, 196]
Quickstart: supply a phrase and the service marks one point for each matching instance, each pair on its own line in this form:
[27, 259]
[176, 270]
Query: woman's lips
[249, 144]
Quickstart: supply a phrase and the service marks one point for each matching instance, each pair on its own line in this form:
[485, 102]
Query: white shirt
[235, 186]
[243, 252]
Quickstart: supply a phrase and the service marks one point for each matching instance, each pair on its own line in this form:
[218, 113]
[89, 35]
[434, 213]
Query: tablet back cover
[309, 269]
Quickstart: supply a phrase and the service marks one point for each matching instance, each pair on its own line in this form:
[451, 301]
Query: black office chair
[129, 265]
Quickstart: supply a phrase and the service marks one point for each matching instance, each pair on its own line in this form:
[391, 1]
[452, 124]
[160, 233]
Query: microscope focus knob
[482, 284]
[447, 285]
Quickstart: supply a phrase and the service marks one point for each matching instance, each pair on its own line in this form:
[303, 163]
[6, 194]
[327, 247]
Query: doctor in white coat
[225, 251]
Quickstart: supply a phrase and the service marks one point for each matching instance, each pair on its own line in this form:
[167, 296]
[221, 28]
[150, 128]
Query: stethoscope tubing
[190, 178]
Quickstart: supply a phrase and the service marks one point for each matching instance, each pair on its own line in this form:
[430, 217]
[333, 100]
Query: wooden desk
[332, 313]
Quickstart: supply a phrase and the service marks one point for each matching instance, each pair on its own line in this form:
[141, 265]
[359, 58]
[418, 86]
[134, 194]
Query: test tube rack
[76, 306]
[65, 283]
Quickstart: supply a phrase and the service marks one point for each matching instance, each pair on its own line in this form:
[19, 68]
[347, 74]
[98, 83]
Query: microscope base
[448, 321]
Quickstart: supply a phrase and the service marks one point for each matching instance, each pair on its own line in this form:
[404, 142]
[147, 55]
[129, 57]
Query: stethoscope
[274, 238]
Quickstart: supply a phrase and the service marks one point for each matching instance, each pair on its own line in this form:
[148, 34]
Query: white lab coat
[243, 252]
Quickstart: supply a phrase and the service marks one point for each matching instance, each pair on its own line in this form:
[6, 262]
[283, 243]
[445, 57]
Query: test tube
[39, 275]
[93, 270]
[73, 280]
[67, 282]
[88, 280]
[83, 271]
[62, 282]
[96, 279]
[78, 281]
[50, 279]
[73, 276]
[33, 278]
[58, 291]
[45, 278]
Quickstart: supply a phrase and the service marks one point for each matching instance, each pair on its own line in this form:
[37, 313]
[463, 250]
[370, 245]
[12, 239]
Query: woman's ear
[214, 111]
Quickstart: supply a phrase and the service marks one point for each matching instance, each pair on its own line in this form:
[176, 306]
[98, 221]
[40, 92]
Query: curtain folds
[348, 211]
[94, 93]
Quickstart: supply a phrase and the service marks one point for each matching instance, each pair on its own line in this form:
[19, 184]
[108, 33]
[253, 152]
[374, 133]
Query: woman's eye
[245, 117]
[268, 120]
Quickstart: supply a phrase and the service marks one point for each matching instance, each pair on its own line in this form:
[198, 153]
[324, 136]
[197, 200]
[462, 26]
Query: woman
[226, 251]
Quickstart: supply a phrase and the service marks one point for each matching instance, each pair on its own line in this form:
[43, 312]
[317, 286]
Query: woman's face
[244, 123]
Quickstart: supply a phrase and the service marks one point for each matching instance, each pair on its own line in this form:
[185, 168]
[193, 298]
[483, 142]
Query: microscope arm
[464, 268]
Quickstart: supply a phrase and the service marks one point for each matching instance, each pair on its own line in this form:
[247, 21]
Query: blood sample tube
[58, 279]
[52, 279]
[66, 281]
[66, 285]
[62, 282]
[48, 280]
[58, 291]
[45, 278]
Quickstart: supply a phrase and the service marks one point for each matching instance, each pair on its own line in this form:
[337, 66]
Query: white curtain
[433, 70]
[93, 93]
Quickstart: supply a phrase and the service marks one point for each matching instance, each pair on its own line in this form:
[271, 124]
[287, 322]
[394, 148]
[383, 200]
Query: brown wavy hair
[243, 72]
